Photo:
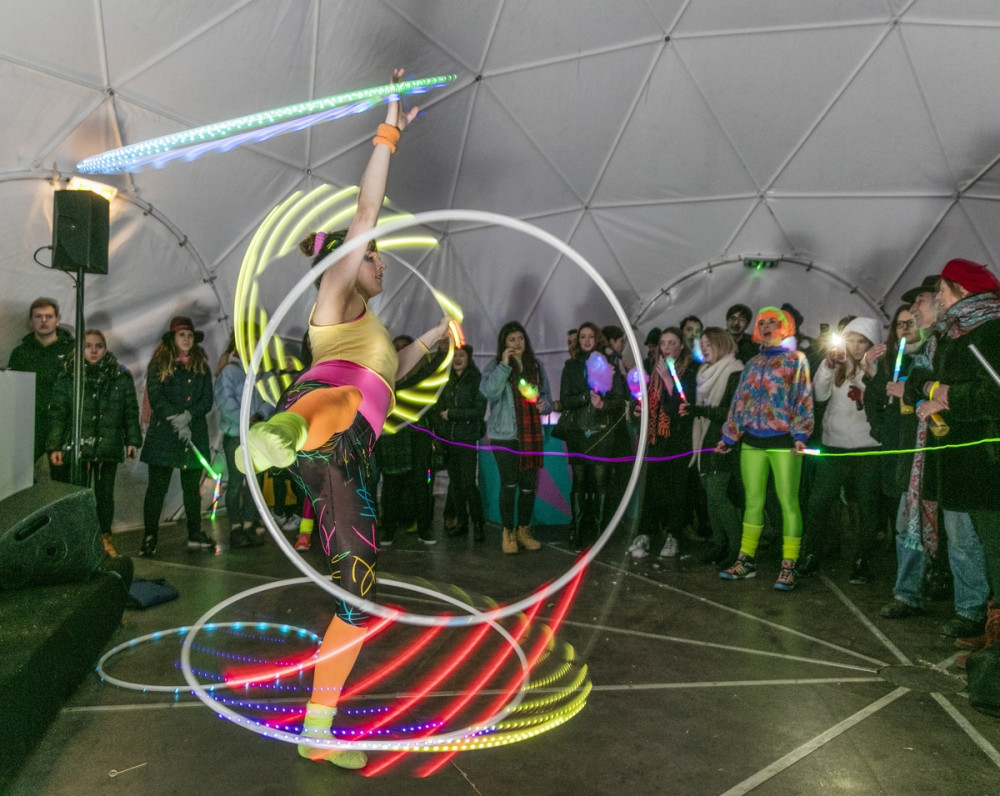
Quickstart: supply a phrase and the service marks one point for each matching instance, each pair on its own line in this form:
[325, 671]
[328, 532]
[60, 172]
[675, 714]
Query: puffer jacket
[110, 418]
[466, 407]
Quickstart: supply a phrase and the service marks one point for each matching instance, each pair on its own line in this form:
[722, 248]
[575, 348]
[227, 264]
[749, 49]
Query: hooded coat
[110, 418]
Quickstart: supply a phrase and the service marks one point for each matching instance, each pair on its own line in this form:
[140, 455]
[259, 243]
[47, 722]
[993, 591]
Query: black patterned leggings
[337, 478]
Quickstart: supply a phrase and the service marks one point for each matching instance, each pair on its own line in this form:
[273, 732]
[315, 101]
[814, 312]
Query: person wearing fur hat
[839, 380]
[178, 398]
[966, 396]
[772, 415]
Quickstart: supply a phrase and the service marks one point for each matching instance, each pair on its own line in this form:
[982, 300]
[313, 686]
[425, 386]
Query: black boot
[576, 528]
[478, 534]
[148, 546]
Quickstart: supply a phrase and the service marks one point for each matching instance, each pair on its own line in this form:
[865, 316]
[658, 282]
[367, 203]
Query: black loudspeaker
[80, 232]
[48, 534]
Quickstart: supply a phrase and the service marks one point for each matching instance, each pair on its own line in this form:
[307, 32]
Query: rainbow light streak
[899, 359]
[226, 135]
[473, 690]
[277, 671]
[676, 378]
[566, 600]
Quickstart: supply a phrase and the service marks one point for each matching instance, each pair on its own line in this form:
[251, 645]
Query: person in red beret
[966, 397]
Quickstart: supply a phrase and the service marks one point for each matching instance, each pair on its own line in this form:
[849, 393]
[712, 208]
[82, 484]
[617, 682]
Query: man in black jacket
[44, 352]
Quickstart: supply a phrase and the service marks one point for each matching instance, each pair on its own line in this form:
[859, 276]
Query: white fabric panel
[830, 131]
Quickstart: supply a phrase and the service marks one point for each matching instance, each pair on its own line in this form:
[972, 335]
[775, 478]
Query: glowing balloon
[636, 379]
[599, 373]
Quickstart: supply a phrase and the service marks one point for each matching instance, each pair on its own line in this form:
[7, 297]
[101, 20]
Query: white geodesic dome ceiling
[662, 139]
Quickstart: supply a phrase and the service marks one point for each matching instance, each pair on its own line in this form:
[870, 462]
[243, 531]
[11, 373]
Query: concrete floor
[700, 686]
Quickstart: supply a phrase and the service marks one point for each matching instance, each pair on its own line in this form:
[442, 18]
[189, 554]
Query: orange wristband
[387, 134]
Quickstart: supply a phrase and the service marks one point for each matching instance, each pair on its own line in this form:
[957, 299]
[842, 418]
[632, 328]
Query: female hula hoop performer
[772, 415]
[328, 420]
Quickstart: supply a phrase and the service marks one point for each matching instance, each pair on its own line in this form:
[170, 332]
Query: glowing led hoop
[288, 302]
[223, 136]
[279, 234]
[180, 631]
[429, 740]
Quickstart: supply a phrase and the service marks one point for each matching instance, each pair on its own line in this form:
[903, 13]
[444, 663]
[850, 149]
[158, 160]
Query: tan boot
[109, 548]
[509, 542]
[526, 540]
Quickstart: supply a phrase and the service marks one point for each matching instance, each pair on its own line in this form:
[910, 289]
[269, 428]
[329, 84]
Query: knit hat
[929, 285]
[866, 327]
[653, 338]
[972, 276]
[179, 323]
[740, 309]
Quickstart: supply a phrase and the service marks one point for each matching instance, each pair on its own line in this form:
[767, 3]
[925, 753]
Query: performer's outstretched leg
[307, 424]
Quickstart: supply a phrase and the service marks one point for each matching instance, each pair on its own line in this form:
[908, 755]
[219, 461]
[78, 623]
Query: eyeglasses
[906, 324]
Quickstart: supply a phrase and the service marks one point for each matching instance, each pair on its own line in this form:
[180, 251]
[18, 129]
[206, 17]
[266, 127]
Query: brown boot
[109, 548]
[509, 542]
[526, 540]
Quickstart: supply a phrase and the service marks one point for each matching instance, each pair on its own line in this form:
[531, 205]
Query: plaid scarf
[529, 433]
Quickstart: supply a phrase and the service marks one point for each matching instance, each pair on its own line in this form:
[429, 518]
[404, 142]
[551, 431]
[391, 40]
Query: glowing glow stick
[676, 378]
[223, 136]
[528, 390]
[899, 359]
[217, 477]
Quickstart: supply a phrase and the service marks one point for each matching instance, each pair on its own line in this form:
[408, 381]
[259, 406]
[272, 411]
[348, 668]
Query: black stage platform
[700, 686]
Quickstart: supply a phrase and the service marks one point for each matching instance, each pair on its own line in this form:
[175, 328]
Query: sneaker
[669, 549]
[303, 541]
[640, 546]
[786, 578]
[744, 569]
[427, 540]
[148, 547]
[962, 627]
[291, 523]
[198, 541]
[859, 572]
[897, 609]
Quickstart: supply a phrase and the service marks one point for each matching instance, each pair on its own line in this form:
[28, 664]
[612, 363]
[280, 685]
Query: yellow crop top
[363, 341]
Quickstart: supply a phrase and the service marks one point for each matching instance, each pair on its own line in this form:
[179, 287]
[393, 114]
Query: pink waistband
[376, 396]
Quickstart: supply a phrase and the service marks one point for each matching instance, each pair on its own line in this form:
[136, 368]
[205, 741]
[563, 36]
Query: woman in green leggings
[772, 415]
